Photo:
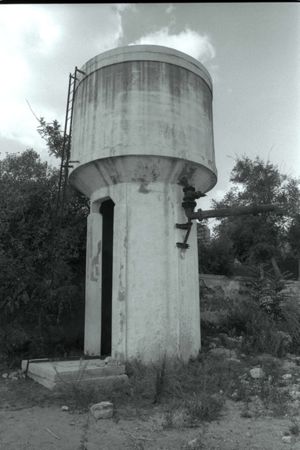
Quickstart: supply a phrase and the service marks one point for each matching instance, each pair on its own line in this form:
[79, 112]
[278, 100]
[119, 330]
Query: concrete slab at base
[53, 374]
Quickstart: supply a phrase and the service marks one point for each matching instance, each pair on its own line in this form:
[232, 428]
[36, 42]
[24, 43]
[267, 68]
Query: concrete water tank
[142, 129]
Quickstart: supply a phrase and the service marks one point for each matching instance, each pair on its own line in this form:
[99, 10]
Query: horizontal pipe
[236, 211]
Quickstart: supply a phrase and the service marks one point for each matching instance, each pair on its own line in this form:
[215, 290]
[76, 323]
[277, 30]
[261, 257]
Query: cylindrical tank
[142, 129]
[141, 101]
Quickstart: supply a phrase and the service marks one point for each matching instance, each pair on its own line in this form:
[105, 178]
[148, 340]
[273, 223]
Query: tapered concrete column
[92, 330]
[155, 299]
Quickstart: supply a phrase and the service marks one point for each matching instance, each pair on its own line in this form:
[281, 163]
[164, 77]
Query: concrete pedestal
[155, 289]
[53, 374]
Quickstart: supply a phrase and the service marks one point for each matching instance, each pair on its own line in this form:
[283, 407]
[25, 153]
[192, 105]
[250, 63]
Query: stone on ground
[257, 373]
[102, 410]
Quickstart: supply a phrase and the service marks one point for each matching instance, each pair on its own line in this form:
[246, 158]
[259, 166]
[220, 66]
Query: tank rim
[147, 53]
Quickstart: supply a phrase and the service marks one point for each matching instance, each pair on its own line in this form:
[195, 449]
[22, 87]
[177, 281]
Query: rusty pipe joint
[189, 200]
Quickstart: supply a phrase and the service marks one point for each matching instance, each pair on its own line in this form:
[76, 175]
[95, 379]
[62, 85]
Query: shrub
[204, 407]
[268, 321]
[14, 341]
[260, 332]
[189, 392]
[290, 322]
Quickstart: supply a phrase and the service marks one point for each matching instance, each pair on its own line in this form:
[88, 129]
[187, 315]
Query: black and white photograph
[150, 226]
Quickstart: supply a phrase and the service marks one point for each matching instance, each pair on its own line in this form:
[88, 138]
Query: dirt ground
[36, 421]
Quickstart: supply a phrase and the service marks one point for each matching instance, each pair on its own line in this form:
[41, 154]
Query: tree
[42, 268]
[261, 239]
[52, 134]
[215, 254]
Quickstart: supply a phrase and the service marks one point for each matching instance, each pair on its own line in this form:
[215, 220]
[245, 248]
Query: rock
[233, 342]
[5, 375]
[194, 444]
[108, 360]
[102, 410]
[65, 408]
[13, 375]
[212, 345]
[235, 395]
[257, 373]
[295, 394]
[216, 341]
[246, 414]
[287, 376]
[289, 365]
[287, 439]
[293, 407]
[223, 352]
[267, 360]
[234, 360]
[292, 357]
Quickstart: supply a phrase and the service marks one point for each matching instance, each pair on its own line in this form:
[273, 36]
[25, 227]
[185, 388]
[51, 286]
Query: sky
[252, 51]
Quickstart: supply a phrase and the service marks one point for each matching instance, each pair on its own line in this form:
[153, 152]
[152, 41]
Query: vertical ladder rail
[66, 146]
[65, 137]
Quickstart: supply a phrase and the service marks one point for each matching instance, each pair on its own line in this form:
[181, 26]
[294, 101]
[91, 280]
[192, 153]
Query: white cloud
[112, 39]
[122, 6]
[187, 41]
[170, 8]
[39, 46]
[26, 33]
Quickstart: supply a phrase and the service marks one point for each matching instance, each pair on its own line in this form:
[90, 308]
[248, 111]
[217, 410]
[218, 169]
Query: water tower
[142, 130]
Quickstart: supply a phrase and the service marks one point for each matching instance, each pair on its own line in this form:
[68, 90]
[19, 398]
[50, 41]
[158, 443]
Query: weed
[246, 414]
[189, 392]
[84, 436]
[274, 400]
[135, 443]
[175, 417]
[160, 380]
[141, 381]
[294, 428]
[262, 394]
[168, 419]
[266, 316]
[203, 407]
[76, 394]
[79, 395]
[195, 444]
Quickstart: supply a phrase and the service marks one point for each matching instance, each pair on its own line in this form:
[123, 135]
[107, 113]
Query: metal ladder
[66, 145]
[58, 210]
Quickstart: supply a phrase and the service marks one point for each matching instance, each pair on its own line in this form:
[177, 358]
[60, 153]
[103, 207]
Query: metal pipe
[237, 211]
